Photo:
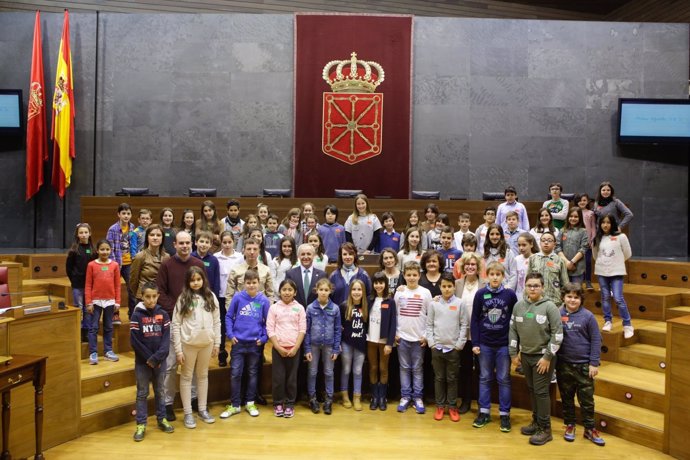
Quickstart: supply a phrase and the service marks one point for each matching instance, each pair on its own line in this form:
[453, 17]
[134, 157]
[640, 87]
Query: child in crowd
[167, 218]
[145, 219]
[284, 261]
[332, 233]
[491, 312]
[512, 231]
[431, 213]
[450, 254]
[102, 295]
[149, 334]
[463, 229]
[557, 206]
[272, 237]
[307, 210]
[362, 226]
[611, 250]
[551, 267]
[187, 224]
[286, 326]
[256, 234]
[411, 247]
[545, 225]
[262, 212]
[590, 223]
[123, 242]
[208, 222]
[232, 221]
[291, 225]
[388, 238]
[211, 265]
[511, 204]
[433, 236]
[354, 316]
[380, 339]
[413, 303]
[535, 336]
[527, 246]
[322, 342]
[228, 258]
[310, 226]
[250, 223]
[496, 250]
[574, 245]
[80, 254]
[388, 263]
[578, 363]
[196, 339]
[446, 334]
[320, 257]
[607, 204]
[245, 323]
[413, 221]
[480, 233]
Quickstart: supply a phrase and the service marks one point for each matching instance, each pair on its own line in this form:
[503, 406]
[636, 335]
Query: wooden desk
[23, 369]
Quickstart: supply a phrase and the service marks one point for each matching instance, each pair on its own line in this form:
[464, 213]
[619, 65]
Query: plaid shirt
[114, 235]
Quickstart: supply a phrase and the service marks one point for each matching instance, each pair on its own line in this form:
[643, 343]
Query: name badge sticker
[88, 251]
[487, 296]
[384, 306]
[529, 315]
[207, 264]
[104, 268]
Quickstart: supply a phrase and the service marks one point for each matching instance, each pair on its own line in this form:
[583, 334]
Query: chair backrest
[5, 299]
[343, 193]
[426, 195]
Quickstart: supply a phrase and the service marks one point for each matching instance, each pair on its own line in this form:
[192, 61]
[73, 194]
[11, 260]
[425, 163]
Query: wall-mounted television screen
[11, 111]
[653, 121]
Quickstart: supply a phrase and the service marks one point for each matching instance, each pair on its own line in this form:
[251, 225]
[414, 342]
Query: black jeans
[284, 376]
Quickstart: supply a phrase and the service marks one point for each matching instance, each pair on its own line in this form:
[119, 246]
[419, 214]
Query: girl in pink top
[590, 220]
[286, 325]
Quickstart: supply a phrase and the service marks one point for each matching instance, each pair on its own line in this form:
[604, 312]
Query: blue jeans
[323, 352]
[497, 358]
[352, 361]
[609, 285]
[411, 356]
[95, 318]
[146, 375]
[78, 296]
[240, 352]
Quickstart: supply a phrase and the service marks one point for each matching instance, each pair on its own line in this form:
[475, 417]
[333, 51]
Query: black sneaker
[170, 413]
[505, 423]
[314, 405]
[465, 406]
[165, 426]
[482, 420]
[260, 400]
[328, 406]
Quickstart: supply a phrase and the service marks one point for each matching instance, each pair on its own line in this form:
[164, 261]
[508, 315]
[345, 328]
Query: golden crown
[359, 78]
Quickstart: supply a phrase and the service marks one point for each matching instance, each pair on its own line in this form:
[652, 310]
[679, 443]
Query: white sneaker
[252, 409]
[628, 331]
[607, 326]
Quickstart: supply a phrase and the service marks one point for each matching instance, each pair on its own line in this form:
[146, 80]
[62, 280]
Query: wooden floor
[345, 434]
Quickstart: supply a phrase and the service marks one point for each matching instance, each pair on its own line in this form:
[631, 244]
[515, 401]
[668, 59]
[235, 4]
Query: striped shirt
[413, 305]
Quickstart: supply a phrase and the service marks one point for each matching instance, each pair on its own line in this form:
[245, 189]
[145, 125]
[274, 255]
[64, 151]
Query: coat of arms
[352, 124]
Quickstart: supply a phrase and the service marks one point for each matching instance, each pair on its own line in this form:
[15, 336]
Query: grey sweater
[535, 328]
[447, 323]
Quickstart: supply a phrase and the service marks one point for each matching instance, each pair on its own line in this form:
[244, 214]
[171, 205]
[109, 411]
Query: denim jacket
[323, 326]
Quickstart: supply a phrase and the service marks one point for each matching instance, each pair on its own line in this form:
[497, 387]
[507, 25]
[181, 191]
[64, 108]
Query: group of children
[514, 315]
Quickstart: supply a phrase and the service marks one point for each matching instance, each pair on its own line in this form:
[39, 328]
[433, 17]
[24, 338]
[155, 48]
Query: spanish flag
[36, 141]
[62, 131]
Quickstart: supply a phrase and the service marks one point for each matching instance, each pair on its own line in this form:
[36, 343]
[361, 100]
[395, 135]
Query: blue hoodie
[246, 317]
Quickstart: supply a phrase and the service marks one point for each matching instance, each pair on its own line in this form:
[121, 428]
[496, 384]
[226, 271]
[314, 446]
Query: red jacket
[102, 282]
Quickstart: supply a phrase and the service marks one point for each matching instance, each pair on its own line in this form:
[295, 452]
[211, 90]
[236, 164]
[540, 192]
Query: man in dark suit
[305, 272]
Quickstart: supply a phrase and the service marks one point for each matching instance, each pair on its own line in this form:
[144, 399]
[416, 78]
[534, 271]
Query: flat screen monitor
[653, 121]
[11, 111]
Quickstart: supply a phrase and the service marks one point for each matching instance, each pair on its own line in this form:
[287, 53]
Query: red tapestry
[344, 139]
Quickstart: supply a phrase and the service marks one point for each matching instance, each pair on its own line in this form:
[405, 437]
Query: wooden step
[659, 273]
[677, 312]
[631, 385]
[105, 410]
[44, 265]
[653, 333]
[644, 301]
[644, 356]
[107, 377]
[636, 424]
[116, 342]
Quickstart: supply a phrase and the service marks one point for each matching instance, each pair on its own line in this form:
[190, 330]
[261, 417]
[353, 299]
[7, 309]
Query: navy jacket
[389, 319]
[295, 274]
[149, 334]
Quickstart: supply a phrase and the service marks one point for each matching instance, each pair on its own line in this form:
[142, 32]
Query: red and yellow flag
[36, 142]
[62, 131]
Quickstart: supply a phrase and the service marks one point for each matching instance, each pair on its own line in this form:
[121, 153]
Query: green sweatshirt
[535, 328]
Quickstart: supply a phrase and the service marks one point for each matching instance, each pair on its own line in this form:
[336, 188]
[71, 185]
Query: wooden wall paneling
[677, 384]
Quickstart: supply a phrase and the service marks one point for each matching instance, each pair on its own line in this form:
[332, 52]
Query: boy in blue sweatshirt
[149, 334]
[272, 237]
[578, 363]
[450, 254]
[245, 325]
[389, 238]
[489, 326]
[332, 233]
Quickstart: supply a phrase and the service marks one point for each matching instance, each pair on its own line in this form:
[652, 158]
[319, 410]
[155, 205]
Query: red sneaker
[453, 414]
[439, 413]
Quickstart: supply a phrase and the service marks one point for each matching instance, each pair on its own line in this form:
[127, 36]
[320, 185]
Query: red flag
[36, 142]
[62, 131]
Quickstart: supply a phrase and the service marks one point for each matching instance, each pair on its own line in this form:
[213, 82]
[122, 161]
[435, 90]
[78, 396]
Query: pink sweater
[102, 282]
[286, 322]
